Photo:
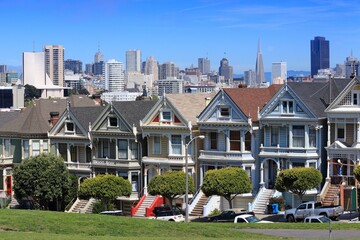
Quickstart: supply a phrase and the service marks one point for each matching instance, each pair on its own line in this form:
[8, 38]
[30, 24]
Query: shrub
[215, 212]
[279, 200]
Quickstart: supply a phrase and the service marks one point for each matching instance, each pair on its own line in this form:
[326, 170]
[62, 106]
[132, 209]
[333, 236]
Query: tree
[31, 92]
[42, 180]
[298, 180]
[170, 185]
[226, 182]
[105, 188]
[357, 172]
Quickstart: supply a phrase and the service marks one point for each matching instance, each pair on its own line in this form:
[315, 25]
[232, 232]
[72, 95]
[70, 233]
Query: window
[287, 107]
[274, 136]
[224, 112]
[312, 137]
[166, 116]
[248, 171]
[35, 148]
[156, 145]
[73, 153]
[176, 144]
[69, 127]
[213, 140]
[298, 136]
[248, 141]
[26, 148]
[123, 148]
[113, 122]
[190, 147]
[134, 149]
[355, 97]
[312, 165]
[235, 140]
[340, 131]
[7, 147]
[105, 148]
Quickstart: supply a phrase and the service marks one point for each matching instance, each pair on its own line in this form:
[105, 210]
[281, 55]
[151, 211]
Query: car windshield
[252, 219]
[324, 219]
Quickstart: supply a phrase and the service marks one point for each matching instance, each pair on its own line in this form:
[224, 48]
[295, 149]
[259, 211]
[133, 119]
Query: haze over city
[182, 31]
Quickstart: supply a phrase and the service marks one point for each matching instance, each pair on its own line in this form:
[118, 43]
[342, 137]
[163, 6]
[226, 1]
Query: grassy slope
[27, 224]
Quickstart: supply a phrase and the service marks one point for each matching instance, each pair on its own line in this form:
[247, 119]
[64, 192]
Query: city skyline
[182, 31]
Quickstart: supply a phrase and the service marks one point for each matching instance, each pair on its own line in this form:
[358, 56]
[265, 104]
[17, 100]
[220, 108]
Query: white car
[317, 219]
[248, 218]
[169, 217]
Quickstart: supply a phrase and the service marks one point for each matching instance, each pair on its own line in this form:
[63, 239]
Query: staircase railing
[88, 204]
[252, 204]
[159, 200]
[70, 204]
[195, 200]
[212, 204]
[136, 207]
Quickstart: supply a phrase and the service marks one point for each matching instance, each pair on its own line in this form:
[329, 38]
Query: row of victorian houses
[261, 130]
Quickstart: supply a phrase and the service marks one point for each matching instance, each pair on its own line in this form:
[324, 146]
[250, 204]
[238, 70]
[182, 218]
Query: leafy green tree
[170, 185]
[357, 172]
[31, 92]
[43, 180]
[105, 188]
[226, 182]
[298, 180]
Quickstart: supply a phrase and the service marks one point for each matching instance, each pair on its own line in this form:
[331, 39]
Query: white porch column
[290, 165]
[145, 180]
[328, 168]
[201, 174]
[262, 174]
[328, 134]
[306, 136]
[242, 141]
[227, 140]
[68, 153]
[290, 136]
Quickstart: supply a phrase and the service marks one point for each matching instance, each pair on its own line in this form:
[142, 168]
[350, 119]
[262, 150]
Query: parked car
[228, 215]
[113, 213]
[310, 209]
[249, 218]
[166, 208]
[169, 216]
[317, 219]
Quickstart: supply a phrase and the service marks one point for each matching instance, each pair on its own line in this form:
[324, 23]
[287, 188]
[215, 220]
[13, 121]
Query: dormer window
[355, 98]
[166, 116]
[287, 107]
[113, 122]
[69, 127]
[224, 112]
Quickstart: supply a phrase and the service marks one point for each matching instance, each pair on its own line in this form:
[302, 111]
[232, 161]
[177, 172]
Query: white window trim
[117, 122]
[66, 128]
[166, 120]
[358, 97]
[336, 132]
[153, 146]
[287, 106]
[219, 112]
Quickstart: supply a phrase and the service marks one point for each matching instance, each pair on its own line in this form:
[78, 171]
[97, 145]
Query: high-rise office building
[73, 65]
[133, 61]
[352, 66]
[278, 72]
[204, 65]
[152, 67]
[167, 70]
[226, 71]
[259, 68]
[320, 54]
[98, 57]
[3, 68]
[114, 76]
[250, 78]
[99, 68]
[54, 63]
[170, 85]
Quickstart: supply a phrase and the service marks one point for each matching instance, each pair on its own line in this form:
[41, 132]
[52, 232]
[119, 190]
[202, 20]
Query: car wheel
[290, 218]
[171, 220]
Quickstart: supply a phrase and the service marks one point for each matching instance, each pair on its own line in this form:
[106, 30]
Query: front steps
[331, 194]
[141, 212]
[263, 200]
[83, 206]
[198, 209]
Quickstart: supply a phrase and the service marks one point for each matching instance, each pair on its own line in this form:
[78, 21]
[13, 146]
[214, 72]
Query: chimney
[54, 117]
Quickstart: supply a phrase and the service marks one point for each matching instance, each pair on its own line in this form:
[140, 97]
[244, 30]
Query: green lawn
[29, 224]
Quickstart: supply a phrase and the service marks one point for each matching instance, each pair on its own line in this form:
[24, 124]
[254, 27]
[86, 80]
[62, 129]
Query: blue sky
[182, 31]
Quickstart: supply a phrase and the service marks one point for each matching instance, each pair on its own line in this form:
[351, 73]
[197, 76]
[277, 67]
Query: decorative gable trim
[344, 95]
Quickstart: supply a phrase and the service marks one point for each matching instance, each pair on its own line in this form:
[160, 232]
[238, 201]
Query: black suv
[165, 210]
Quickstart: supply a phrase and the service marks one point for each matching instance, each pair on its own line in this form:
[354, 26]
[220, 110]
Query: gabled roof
[316, 95]
[86, 115]
[343, 92]
[250, 100]
[7, 116]
[134, 111]
[189, 106]
[35, 118]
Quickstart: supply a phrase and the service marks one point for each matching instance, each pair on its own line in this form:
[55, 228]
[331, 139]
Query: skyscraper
[204, 65]
[152, 67]
[168, 69]
[249, 78]
[133, 61]
[320, 54]
[54, 63]
[98, 57]
[226, 71]
[352, 66]
[33, 69]
[73, 65]
[259, 68]
[278, 72]
[114, 76]
[3, 68]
